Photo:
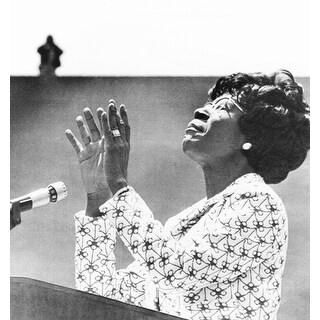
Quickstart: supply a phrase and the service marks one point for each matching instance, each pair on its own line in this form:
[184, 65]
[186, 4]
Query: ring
[115, 133]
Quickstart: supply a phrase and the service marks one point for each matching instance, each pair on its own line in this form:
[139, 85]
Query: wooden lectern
[38, 300]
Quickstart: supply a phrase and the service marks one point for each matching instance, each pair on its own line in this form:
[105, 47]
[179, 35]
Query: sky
[168, 37]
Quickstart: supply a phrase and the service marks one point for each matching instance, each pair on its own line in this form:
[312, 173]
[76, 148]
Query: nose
[202, 113]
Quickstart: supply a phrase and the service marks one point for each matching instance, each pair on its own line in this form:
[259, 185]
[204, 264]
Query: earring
[246, 146]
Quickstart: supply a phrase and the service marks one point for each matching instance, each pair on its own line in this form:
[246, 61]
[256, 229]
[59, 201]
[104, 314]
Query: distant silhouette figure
[50, 54]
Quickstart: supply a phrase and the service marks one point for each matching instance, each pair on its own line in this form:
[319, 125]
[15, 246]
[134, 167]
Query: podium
[38, 300]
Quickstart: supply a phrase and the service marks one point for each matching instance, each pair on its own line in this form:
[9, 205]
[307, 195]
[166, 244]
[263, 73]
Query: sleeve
[95, 264]
[229, 245]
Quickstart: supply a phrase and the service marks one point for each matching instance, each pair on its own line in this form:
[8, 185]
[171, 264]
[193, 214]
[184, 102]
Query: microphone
[52, 193]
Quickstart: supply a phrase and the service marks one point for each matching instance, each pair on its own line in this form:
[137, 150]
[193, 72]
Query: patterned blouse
[222, 258]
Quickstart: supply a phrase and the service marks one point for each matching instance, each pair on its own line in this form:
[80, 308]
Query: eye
[227, 106]
[223, 107]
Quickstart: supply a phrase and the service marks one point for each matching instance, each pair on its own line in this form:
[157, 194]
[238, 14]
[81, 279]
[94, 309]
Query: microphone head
[59, 191]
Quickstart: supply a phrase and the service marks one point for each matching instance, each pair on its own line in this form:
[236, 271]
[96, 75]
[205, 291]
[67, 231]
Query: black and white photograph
[159, 160]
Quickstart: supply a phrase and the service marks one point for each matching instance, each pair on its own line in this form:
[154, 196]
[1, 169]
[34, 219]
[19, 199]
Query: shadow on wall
[42, 247]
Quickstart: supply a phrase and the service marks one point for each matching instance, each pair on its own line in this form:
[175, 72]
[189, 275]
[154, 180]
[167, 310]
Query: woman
[222, 258]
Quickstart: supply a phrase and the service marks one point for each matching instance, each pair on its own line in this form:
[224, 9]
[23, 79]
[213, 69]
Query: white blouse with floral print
[222, 258]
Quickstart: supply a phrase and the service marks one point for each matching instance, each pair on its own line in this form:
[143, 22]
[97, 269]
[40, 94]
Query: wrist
[95, 200]
[117, 185]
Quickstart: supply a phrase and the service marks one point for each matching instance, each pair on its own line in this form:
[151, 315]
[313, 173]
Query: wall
[159, 110]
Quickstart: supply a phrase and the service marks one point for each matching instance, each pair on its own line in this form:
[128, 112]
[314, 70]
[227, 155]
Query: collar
[249, 178]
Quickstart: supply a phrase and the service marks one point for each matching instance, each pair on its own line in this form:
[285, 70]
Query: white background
[168, 37]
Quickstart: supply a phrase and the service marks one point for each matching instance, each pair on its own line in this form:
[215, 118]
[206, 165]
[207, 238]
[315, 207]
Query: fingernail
[86, 109]
[78, 118]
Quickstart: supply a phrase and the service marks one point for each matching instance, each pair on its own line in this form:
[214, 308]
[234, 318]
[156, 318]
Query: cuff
[81, 216]
[120, 192]
[116, 197]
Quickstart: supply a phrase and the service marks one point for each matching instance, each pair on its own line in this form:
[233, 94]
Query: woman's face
[214, 132]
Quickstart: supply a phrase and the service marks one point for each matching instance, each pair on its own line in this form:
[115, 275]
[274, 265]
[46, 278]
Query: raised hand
[116, 131]
[91, 159]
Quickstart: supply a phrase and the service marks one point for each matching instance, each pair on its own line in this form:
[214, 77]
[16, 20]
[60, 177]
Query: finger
[112, 109]
[124, 117]
[94, 131]
[113, 123]
[100, 111]
[106, 129]
[103, 142]
[121, 126]
[73, 140]
[83, 131]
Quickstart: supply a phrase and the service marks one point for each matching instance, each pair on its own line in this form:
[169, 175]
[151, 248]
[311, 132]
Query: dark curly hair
[276, 120]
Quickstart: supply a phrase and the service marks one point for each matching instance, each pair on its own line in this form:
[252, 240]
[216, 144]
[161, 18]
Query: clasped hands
[103, 154]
